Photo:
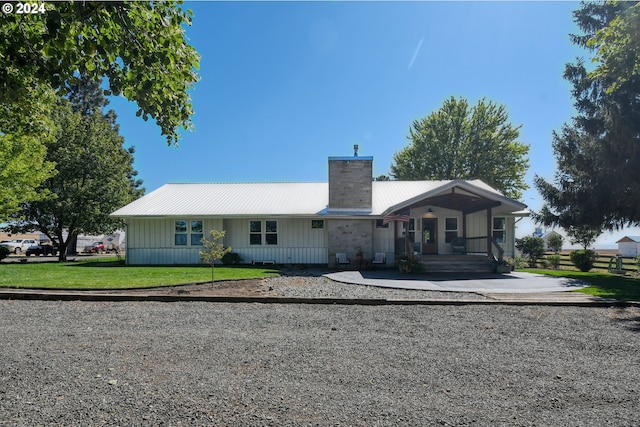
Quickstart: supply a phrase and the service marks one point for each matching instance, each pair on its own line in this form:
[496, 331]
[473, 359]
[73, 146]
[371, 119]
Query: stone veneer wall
[345, 235]
[350, 182]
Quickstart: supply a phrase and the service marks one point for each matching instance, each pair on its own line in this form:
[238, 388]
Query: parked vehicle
[42, 250]
[95, 248]
[20, 245]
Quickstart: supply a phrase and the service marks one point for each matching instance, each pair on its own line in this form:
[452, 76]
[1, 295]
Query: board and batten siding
[298, 243]
[150, 241]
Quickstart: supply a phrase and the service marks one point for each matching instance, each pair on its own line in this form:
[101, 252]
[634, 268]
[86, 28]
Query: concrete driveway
[512, 283]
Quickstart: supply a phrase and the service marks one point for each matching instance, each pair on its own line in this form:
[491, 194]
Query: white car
[20, 245]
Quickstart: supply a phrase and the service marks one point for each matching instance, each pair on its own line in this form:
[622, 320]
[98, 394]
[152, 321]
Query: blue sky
[284, 85]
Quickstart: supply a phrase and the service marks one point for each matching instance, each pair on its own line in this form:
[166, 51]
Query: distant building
[629, 246]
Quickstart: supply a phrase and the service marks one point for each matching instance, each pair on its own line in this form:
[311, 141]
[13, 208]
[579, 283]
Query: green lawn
[109, 273]
[606, 285]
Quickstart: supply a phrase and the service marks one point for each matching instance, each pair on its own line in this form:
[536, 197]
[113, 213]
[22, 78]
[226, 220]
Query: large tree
[139, 47]
[463, 142]
[22, 148]
[94, 172]
[597, 184]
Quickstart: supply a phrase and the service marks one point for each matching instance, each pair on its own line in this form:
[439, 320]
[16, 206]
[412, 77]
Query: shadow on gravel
[631, 322]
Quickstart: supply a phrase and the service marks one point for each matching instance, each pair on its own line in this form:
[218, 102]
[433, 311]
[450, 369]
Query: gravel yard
[198, 363]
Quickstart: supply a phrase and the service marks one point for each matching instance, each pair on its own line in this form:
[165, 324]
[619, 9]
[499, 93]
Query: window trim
[503, 230]
[264, 233]
[188, 232]
[447, 231]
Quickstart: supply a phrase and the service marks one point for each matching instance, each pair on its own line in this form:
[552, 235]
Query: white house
[309, 223]
[629, 246]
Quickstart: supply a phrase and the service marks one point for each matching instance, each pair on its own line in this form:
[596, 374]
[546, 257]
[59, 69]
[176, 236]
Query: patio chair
[341, 258]
[459, 245]
[379, 259]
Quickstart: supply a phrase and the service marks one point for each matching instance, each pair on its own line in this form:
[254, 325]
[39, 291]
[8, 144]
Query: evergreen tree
[597, 185]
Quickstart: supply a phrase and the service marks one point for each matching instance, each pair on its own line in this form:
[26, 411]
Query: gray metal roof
[287, 199]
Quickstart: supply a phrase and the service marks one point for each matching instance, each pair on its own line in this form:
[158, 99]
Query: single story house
[309, 223]
[629, 246]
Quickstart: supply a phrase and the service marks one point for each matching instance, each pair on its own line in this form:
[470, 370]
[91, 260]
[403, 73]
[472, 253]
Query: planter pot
[503, 268]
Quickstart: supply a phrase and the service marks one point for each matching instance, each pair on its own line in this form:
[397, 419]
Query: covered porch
[457, 224]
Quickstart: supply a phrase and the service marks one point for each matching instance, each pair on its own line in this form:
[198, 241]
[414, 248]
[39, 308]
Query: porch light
[429, 214]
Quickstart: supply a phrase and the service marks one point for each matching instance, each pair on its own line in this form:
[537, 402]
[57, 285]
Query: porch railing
[483, 245]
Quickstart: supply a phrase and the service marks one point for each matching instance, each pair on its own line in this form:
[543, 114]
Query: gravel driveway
[197, 363]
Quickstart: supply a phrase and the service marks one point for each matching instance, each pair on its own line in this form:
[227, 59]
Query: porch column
[489, 230]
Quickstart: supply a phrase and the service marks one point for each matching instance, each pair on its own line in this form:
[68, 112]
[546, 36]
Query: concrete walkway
[512, 283]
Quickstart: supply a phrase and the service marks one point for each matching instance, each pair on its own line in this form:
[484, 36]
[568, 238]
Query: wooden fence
[629, 264]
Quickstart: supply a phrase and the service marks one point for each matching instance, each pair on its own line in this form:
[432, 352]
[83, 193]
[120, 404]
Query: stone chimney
[350, 182]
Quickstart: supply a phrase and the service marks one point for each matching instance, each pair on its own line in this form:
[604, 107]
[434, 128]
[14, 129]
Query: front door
[429, 236]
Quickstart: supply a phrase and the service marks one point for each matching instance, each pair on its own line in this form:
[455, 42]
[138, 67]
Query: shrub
[532, 247]
[583, 259]
[4, 252]
[231, 258]
[554, 261]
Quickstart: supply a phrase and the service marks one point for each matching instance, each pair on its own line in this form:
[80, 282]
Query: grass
[601, 284]
[109, 273]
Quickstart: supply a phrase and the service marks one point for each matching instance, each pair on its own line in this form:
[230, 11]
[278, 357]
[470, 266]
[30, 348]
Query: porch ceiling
[459, 202]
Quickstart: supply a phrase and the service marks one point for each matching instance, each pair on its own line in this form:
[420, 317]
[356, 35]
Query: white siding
[151, 241]
[628, 248]
[298, 243]
[383, 241]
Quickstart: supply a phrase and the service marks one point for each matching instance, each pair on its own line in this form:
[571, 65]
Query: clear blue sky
[284, 85]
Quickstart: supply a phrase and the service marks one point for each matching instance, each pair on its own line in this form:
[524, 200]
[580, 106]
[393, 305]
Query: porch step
[456, 263]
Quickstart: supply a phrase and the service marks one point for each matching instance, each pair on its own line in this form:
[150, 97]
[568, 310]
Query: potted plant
[503, 266]
[404, 264]
[359, 253]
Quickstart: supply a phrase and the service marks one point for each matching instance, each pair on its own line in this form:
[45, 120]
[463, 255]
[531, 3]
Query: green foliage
[603, 285]
[597, 184]
[213, 251]
[463, 142]
[584, 236]
[583, 259]
[94, 174]
[139, 47]
[23, 135]
[231, 258]
[109, 273]
[554, 261]
[617, 49]
[532, 247]
[555, 242]
[4, 252]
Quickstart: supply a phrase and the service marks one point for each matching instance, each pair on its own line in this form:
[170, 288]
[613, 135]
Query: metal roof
[287, 199]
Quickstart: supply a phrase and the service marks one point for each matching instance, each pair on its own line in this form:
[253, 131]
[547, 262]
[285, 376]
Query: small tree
[555, 242]
[583, 235]
[532, 247]
[213, 251]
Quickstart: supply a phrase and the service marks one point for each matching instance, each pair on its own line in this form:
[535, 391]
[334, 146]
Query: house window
[412, 229]
[271, 232]
[317, 223]
[181, 238]
[188, 233]
[255, 232]
[500, 229]
[450, 229]
[379, 224]
[260, 232]
[196, 233]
